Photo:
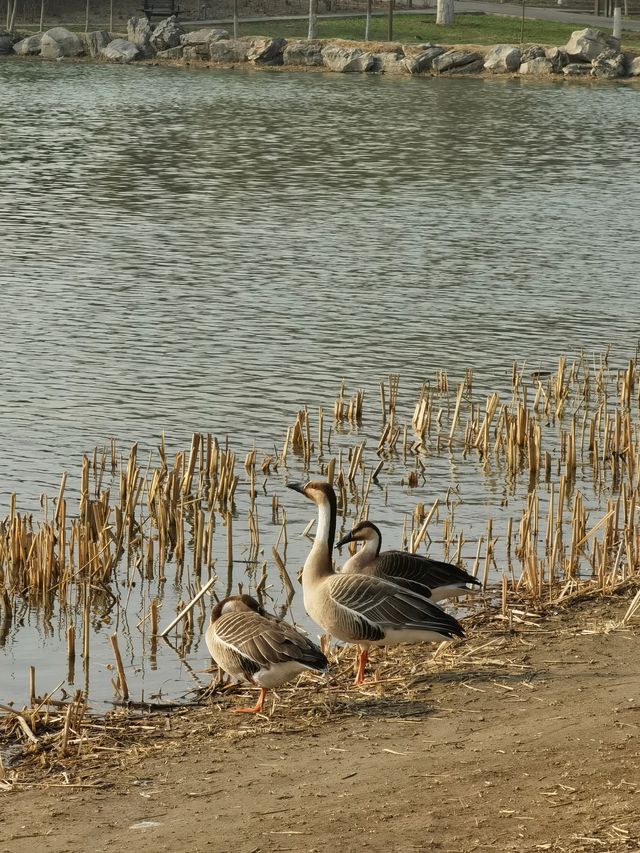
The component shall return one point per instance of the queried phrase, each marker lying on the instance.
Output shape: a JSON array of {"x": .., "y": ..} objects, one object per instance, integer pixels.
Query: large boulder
[
  {"x": 502, "y": 59},
  {"x": 120, "y": 50},
  {"x": 97, "y": 41},
  {"x": 266, "y": 51},
  {"x": 585, "y": 45},
  {"x": 557, "y": 57},
  {"x": 534, "y": 51},
  {"x": 576, "y": 69},
  {"x": 307, "y": 53},
  {"x": 609, "y": 65},
  {"x": 6, "y": 44},
  {"x": 474, "y": 67},
  {"x": 229, "y": 50},
  {"x": 173, "y": 53},
  {"x": 634, "y": 67},
  {"x": 139, "y": 32},
  {"x": 167, "y": 34},
  {"x": 338, "y": 58},
  {"x": 29, "y": 46},
  {"x": 419, "y": 62},
  {"x": 457, "y": 60},
  {"x": 389, "y": 62},
  {"x": 538, "y": 67},
  {"x": 198, "y": 42},
  {"x": 59, "y": 42}
]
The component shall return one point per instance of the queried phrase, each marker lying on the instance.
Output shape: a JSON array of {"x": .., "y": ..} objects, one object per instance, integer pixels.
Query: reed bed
[{"x": 558, "y": 454}]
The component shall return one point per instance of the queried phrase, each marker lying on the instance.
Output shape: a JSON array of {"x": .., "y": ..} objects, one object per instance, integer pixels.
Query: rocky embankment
[{"x": 588, "y": 53}]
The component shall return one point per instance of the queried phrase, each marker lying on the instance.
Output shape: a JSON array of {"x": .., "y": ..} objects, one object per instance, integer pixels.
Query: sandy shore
[{"x": 516, "y": 741}]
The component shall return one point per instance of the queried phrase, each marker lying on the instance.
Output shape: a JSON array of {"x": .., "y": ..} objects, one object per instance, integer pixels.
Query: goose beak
[
  {"x": 345, "y": 539},
  {"x": 297, "y": 487}
]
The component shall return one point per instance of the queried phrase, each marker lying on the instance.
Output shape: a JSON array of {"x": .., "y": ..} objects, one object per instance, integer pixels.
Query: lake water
[{"x": 209, "y": 251}]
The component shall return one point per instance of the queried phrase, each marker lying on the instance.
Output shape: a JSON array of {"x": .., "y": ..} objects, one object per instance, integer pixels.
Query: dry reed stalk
[
  {"x": 286, "y": 580},
  {"x": 67, "y": 727},
  {"x": 196, "y": 440},
  {"x": 456, "y": 413},
  {"x": 122, "y": 680}
]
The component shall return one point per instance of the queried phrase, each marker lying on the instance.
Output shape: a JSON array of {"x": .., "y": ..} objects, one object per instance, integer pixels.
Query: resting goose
[
  {"x": 362, "y": 609},
  {"x": 252, "y": 647},
  {"x": 430, "y": 578}
]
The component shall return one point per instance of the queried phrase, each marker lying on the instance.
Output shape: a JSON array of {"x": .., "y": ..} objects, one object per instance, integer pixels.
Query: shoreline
[
  {"x": 588, "y": 55},
  {"x": 521, "y": 737}
]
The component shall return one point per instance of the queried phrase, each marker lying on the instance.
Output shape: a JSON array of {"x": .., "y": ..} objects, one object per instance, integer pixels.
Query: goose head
[
  {"x": 235, "y": 604},
  {"x": 315, "y": 490},
  {"x": 364, "y": 531},
  {"x": 324, "y": 497}
]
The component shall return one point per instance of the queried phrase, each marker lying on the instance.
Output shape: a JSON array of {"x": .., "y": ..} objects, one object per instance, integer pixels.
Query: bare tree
[
  {"x": 444, "y": 13},
  {"x": 313, "y": 19}
]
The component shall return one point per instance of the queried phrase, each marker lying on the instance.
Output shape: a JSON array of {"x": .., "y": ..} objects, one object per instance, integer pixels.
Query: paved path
[{"x": 465, "y": 6}]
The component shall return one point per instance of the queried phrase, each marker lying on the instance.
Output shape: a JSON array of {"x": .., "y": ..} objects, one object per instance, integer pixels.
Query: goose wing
[
  {"x": 252, "y": 642},
  {"x": 370, "y": 605},
  {"x": 414, "y": 569}
]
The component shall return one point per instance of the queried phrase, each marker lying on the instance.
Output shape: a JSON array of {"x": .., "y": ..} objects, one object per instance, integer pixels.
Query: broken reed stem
[
  {"x": 122, "y": 679},
  {"x": 188, "y": 607}
]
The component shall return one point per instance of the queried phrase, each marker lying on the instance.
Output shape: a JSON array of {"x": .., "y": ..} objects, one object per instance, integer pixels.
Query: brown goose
[
  {"x": 252, "y": 647},
  {"x": 430, "y": 578},
  {"x": 362, "y": 609}
]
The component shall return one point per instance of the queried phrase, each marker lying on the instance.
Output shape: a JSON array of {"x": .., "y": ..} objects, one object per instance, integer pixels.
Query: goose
[
  {"x": 362, "y": 609},
  {"x": 430, "y": 578},
  {"x": 252, "y": 647}
]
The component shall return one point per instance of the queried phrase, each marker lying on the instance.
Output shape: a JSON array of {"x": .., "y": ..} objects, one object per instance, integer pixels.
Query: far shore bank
[{"x": 589, "y": 54}]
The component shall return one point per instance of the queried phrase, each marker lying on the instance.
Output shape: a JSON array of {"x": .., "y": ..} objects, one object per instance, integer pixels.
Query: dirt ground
[{"x": 516, "y": 740}]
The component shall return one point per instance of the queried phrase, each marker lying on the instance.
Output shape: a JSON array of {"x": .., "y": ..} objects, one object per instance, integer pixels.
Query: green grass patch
[{"x": 468, "y": 29}]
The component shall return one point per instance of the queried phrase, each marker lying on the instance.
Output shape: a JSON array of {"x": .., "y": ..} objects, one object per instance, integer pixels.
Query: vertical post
[
  {"x": 110, "y": 16},
  {"x": 86, "y": 18},
  {"x": 367, "y": 26},
  {"x": 235, "y": 19},
  {"x": 313, "y": 19},
  {"x": 522, "y": 22},
  {"x": 390, "y": 22},
  {"x": 41, "y": 15}
]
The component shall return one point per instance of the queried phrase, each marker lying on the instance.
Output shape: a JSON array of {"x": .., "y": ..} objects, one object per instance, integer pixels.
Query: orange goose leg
[
  {"x": 258, "y": 707},
  {"x": 363, "y": 657}
]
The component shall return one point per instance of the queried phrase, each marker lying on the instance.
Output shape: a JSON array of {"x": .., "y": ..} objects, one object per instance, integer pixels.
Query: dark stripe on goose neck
[{"x": 327, "y": 488}]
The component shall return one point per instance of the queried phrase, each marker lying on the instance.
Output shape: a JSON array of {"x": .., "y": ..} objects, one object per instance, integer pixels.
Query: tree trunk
[
  {"x": 86, "y": 18},
  {"x": 617, "y": 23},
  {"x": 235, "y": 19},
  {"x": 390, "y": 22},
  {"x": 367, "y": 26},
  {"x": 313, "y": 19},
  {"x": 13, "y": 15},
  {"x": 444, "y": 13},
  {"x": 41, "y": 16}
]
